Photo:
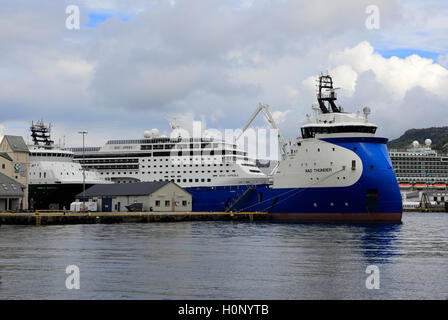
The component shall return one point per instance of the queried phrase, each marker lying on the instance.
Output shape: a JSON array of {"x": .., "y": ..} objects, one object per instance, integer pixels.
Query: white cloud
[
  {"x": 76, "y": 68},
  {"x": 397, "y": 75},
  {"x": 403, "y": 93},
  {"x": 443, "y": 60},
  {"x": 345, "y": 78},
  {"x": 280, "y": 116}
]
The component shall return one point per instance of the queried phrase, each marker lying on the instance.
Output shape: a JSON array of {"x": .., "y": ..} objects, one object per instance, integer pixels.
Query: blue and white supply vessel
[{"x": 337, "y": 171}]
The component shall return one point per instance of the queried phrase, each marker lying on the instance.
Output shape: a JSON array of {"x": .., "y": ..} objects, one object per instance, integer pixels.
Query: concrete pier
[{"x": 59, "y": 218}]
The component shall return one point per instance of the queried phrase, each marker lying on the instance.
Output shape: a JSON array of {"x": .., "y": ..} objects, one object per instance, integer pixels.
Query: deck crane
[{"x": 272, "y": 122}]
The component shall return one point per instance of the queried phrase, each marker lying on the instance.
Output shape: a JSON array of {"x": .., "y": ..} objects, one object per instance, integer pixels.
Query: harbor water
[{"x": 227, "y": 260}]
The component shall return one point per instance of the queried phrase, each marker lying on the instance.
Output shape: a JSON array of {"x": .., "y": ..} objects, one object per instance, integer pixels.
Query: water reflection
[{"x": 380, "y": 243}]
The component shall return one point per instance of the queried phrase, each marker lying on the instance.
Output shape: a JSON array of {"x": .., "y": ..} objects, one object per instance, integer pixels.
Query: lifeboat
[
  {"x": 439, "y": 185},
  {"x": 420, "y": 185},
  {"x": 404, "y": 185}
]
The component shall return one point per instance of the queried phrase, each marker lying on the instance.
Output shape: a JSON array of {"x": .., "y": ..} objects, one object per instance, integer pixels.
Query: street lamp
[{"x": 83, "y": 169}]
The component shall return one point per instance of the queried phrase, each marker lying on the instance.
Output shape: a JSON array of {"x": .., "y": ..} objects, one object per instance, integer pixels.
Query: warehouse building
[
  {"x": 14, "y": 166},
  {"x": 11, "y": 194},
  {"x": 159, "y": 196}
]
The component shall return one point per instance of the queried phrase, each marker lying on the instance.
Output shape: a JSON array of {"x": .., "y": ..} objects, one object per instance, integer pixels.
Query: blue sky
[
  {"x": 98, "y": 17},
  {"x": 406, "y": 52}
]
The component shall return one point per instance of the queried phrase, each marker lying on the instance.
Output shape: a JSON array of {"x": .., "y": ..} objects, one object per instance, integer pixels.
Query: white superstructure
[
  {"x": 190, "y": 162},
  {"x": 49, "y": 164},
  {"x": 313, "y": 162},
  {"x": 56, "y": 166}
]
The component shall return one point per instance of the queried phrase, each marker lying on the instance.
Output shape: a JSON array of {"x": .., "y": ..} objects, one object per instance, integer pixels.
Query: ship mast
[
  {"x": 327, "y": 94},
  {"x": 40, "y": 133}
]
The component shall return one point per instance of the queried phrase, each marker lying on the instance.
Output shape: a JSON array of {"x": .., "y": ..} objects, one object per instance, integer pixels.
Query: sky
[{"x": 137, "y": 65}]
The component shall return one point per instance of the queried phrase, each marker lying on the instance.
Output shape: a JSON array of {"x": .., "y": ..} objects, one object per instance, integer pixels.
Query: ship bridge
[
  {"x": 338, "y": 124},
  {"x": 330, "y": 121}
]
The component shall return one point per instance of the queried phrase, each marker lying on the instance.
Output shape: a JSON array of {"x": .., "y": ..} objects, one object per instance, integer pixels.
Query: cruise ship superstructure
[
  {"x": 189, "y": 162},
  {"x": 420, "y": 167}
]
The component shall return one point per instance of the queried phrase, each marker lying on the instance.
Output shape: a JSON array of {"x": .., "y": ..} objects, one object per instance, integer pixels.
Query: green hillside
[{"x": 438, "y": 135}]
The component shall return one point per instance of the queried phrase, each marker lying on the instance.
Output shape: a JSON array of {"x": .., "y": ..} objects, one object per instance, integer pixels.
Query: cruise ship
[
  {"x": 54, "y": 178},
  {"x": 420, "y": 167},
  {"x": 190, "y": 162},
  {"x": 196, "y": 164}
]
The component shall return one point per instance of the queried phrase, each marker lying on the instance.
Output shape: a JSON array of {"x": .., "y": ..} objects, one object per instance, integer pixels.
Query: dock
[
  {"x": 39, "y": 218},
  {"x": 429, "y": 209}
]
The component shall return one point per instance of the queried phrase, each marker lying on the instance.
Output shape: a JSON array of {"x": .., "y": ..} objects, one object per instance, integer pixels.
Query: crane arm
[
  {"x": 254, "y": 115},
  {"x": 271, "y": 121}
]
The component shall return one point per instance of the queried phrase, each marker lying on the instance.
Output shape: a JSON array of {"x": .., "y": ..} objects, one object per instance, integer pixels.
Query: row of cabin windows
[
  {"x": 173, "y": 180},
  {"x": 161, "y": 140},
  {"x": 45, "y": 174},
  {"x": 149, "y": 145},
  {"x": 191, "y": 180},
  {"x": 89, "y": 162},
  {"x": 310, "y": 132},
  {"x": 180, "y": 146},
  {"x": 167, "y": 154},
  {"x": 161, "y": 172},
  {"x": 44, "y": 154}
]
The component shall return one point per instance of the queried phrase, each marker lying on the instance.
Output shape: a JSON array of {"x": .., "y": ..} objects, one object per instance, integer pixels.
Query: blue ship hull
[{"x": 375, "y": 197}]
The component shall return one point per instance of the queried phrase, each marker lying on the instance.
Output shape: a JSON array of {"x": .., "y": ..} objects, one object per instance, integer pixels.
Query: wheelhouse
[{"x": 311, "y": 131}]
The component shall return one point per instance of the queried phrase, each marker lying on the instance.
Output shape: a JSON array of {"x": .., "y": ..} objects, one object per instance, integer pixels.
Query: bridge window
[{"x": 310, "y": 132}]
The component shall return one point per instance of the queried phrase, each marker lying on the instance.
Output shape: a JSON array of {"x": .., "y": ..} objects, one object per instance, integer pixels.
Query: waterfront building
[
  {"x": 14, "y": 166},
  {"x": 160, "y": 196}
]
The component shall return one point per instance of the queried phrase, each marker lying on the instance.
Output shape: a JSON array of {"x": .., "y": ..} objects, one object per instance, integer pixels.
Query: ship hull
[
  {"x": 53, "y": 196},
  {"x": 340, "y": 217},
  {"x": 375, "y": 197}
]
